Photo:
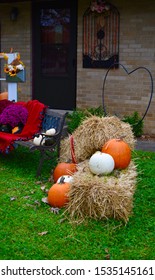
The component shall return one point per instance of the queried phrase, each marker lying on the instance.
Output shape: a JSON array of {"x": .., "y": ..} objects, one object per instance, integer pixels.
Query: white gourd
[
  {"x": 67, "y": 179},
  {"x": 37, "y": 140},
  {"x": 50, "y": 132},
  {"x": 101, "y": 163}
]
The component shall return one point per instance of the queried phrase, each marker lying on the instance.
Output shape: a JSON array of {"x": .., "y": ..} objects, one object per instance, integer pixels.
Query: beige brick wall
[
  {"x": 123, "y": 94},
  {"x": 17, "y": 35}
]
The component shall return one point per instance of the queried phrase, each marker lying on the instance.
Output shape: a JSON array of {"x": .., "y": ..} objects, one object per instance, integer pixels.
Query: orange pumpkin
[
  {"x": 57, "y": 194},
  {"x": 3, "y": 95},
  {"x": 119, "y": 150},
  {"x": 63, "y": 168}
]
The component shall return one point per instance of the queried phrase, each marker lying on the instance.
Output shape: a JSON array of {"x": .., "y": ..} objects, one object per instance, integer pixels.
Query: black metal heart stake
[{"x": 128, "y": 73}]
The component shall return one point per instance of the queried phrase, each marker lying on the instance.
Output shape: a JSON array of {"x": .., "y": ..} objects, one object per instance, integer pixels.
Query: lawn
[{"x": 30, "y": 231}]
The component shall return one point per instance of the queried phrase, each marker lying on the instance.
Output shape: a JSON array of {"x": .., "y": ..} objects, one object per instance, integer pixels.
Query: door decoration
[{"x": 100, "y": 35}]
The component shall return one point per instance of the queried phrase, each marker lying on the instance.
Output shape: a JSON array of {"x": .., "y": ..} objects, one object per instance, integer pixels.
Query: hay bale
[
  {"x": 101, "y": 197},
  {"x": 91, "y": 135}
]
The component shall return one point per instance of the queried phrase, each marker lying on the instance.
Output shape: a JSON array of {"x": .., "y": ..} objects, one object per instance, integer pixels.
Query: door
[{"x": 54, "y": 53}]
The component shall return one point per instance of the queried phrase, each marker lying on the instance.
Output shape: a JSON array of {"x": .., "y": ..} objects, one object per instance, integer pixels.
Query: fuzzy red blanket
[{"x": 36, "y": 112}]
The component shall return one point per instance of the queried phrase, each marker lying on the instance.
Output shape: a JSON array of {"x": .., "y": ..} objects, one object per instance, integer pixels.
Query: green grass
[{"x": 24, "y": 216}]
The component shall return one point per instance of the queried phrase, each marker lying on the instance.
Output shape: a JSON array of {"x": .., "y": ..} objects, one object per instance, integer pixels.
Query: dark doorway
[{"x": 54, "y": 53}]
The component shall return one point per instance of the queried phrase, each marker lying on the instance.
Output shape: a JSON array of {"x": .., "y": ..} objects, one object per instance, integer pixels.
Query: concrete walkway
[{"x": 145, "y": 145}]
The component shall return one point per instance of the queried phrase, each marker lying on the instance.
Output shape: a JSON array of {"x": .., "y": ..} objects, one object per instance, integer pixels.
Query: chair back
[{"x": 53, "y": 119}]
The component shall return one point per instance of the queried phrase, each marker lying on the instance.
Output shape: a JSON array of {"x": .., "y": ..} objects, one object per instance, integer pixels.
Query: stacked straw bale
[
  {"x": 93, "y": 196},
  {"x": 91, "y": 135},
  {"x": 100, "y": 197}
]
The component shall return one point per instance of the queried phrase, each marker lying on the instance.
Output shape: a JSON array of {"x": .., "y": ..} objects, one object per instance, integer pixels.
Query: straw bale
[
  {"x": 100, "y": 197},
  {"x": 91, "y": 135}
]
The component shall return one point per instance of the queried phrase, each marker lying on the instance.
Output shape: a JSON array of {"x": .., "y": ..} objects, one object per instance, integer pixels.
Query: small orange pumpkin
[
  {"x": 119, "y": 150},
  {"x": 57, "y": 194},
  {"x": 3, "y": 95},
  {"x": 63, "y": 168}
]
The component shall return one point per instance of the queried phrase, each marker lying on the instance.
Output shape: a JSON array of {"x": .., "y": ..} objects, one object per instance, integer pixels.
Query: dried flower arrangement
[
  {"x": 99, "y": 6},
  {"x": 14, "y": 67}
]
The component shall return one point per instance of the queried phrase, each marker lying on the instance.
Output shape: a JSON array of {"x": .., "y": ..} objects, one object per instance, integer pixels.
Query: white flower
[
  {"x": 10, "y": 67},
  {"x": 20, "y": 67}
]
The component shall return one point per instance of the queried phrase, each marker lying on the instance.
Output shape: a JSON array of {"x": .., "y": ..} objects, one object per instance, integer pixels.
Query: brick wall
[
  {"x": 123, "y": 94},
  {"x": 17, "y": 35}
]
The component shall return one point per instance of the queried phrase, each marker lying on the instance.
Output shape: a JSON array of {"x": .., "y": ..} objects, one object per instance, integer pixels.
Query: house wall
[
  {"x": 123, "y": 93},
  {"x": 17, "y": 35}
]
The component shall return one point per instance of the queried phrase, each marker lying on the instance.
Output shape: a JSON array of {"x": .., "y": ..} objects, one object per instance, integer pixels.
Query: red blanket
[{"x": 36, "y": 112}]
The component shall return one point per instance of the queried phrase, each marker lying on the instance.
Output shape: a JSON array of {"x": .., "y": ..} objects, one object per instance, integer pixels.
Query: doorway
[{"x": 54, "y": 53}]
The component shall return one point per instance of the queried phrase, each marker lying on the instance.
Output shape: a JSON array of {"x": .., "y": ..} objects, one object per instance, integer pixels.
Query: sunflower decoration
[{"x": 14, "y": 67}]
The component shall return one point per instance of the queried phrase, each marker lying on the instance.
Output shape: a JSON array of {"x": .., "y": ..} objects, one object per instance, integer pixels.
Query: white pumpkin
[
  {"x": 50, "y": 132},
  {"x": 66, "y": 179},
  {"x": 37, "y": 140},
  {"x": 101, "y": 163}
]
